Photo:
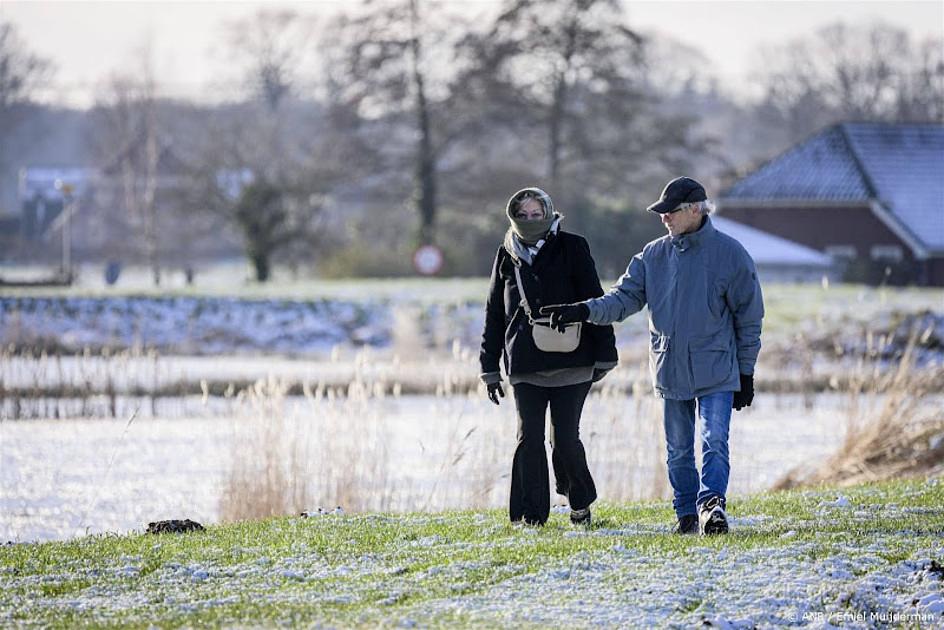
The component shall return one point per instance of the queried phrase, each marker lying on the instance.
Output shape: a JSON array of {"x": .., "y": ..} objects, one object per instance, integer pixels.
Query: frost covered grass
[
  {"x": 233, "y": 281},
  {"x": 792, "y": 557},
  {"x": 166, "y": 345},
  {"x": 788, "y": 302},
  {"x": 789, "y": 307}
]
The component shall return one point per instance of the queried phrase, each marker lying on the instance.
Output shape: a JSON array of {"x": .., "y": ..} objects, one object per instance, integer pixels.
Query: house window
[
  {"x": 892, "y": 253},
  {"x": 841, "y": 252}
]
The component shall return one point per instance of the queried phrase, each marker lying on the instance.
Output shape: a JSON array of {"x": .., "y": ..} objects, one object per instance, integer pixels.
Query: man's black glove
[
  {"x": 495, "y": 391},
  {"x": 562, "y": 314},
  {"x": 744, "y": 397}
]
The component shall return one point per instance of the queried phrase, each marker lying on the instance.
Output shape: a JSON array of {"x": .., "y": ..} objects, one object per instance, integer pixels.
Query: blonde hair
[{"x": 524, "y": 196}]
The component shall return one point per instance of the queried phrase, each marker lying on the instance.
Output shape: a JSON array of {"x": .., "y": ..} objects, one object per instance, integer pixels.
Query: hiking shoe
[
  {"x": 711, "y": 517},
  {"x": 580, "y": 517},
  {"x": 687, "y": 524}
]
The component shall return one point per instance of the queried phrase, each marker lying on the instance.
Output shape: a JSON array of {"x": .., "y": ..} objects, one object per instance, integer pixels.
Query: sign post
[
  {"x": 428, "y": 260},
  {"x": 67, "y": 207}
]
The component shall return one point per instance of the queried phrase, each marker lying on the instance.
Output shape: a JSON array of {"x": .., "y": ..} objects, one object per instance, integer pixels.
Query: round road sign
[{"x": 428, "y": 260}]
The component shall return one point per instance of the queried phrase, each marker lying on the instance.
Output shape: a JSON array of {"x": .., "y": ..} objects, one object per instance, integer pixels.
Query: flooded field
[
  {"x": 108, "y": 436},
  {"x": 63, "y": 478}
]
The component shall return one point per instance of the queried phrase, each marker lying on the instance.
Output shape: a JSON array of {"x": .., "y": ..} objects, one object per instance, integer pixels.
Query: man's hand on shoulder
[
  {"x": 745, "y": 397},
  {"x": 563, "y": 314}
]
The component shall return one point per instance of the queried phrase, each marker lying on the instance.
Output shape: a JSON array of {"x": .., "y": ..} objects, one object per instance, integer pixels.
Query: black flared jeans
[{"x": 530, "y": 487}]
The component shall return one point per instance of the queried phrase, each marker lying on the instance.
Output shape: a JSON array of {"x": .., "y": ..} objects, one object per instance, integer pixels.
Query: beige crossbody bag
[{"x": 548, "y": 339}]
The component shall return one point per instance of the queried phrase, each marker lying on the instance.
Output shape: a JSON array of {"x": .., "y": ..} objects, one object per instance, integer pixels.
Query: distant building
[
  {"x": 103, "y": 223},
  {"x": 870, "y": 195},
  {"x": 41, "y": 199},
  {"x": 776, "y": 258},
  {"x": 9, "y": 236},
  {"x": 109, "y": 216}
]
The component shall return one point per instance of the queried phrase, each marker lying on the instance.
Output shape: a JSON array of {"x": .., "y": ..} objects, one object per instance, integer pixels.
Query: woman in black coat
[{"x": 554, "y": 267}]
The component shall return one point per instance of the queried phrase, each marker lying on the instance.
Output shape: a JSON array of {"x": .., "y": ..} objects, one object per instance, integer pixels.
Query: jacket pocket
[
  {"x": 658, "y": 358},
  {"x": 710, "y": 360}
]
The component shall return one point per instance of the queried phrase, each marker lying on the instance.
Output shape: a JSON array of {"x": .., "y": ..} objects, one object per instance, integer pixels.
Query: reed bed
[
  {"x": 106, "y": 384},
  {"x": 320, "y": 435},
  {"x": 893, "y": 420},
  {"x": 332, "y": 447}
]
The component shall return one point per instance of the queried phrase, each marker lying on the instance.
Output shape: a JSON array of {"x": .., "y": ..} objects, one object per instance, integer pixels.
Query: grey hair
[{"x": 705, "y": 207}]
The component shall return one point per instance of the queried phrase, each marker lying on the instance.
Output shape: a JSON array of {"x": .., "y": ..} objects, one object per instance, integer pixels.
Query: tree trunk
[
  {"x": 150, "y": 189},
  {"x": 426, "y": 162},
  {"x": 554, "y": 129},
  {"x": 426, "y": 182},
  {"x": 148, "y": 105},
  {"x": 260, "y": 263},
  {"x": 559, "y": 102}
]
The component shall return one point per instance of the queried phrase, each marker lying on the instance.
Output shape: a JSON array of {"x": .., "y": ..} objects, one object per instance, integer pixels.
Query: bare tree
[
  {"x": 21, "y": 74},
  {"x": 921, "y": 92},
  {"x": 272, "y": 45},
  {"x": 390, "y": 68},
  {"x": 854, "y": 72},
  {"x": 277, "y": 204},
  {"x": 271, "y": 215},
  {"x": 571, "y": 85},
  {"x": 131, "y": 145},
  {"x": 265, "y": 165},
  {"x": 558, "y": 57}
]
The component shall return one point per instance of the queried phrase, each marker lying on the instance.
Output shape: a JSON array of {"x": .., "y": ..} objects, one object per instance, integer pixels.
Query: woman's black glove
[
  {"x": 744, "y": 397},
  {"x": 495, "y": 391},
  {"x": 563, "y": 314}
]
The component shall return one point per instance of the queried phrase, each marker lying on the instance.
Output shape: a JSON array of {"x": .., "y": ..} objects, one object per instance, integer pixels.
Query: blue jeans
[{"x": 689, "y": 489}]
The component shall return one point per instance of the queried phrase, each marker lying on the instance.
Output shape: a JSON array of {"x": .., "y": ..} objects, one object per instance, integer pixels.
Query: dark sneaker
[
  {"x": 711, "y": 517},
  {"x": 580, "y": 517},
  {"x": 687, "y": 524}
]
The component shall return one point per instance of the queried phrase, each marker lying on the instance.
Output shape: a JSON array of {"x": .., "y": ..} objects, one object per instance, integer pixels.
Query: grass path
[{"x": 873, "y": 557}]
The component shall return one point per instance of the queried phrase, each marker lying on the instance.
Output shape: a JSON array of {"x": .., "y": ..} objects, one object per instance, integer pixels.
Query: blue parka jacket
[{"x": 705, "y": 311}]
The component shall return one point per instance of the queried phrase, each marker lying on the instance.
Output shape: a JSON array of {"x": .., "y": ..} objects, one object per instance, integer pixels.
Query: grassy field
[
  {"x": 791, "y": 303},
  {"x": 231, "y": 280},
  {"x": 873, "y": 552},
  {"x": 808, "y": 310}
]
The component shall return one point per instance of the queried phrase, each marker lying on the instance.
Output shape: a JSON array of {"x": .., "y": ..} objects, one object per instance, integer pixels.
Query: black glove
[
  {"x": 495, "y": 392},
  {"x": 744, "y": 397},
  {"x": 562, "y": 314}
]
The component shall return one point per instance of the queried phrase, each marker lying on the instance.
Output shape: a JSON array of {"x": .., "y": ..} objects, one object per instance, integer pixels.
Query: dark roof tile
[{"x": 899, "y": 165}]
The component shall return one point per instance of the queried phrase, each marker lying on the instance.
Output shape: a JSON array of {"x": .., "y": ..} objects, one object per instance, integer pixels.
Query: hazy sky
[{"x": 89, "y": 40}]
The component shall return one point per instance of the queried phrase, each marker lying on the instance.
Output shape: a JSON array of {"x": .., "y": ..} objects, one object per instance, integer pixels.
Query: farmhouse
[
  {"x": 776, "y": 258},
  {"x": 41, "y": 198},
  {"x": 871, "y": 195}
]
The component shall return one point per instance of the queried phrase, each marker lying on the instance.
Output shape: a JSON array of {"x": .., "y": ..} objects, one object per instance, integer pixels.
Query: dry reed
[{"x": 893, "y": 428}]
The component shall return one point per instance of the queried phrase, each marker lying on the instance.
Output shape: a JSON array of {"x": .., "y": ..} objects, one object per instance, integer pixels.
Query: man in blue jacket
[{"x": 705, "y": 312}]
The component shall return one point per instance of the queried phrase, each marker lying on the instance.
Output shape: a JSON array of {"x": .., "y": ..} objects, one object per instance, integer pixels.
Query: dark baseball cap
[{"x": 678, "y": 191}]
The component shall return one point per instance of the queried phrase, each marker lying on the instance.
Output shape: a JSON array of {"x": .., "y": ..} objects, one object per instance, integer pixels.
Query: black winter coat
[{"x": 563, "y": 272}]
